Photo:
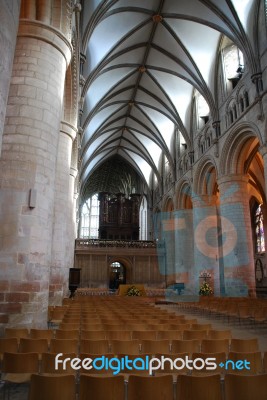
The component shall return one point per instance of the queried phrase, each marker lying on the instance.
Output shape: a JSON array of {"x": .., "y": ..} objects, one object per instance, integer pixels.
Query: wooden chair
[
  {"x": 29, "y": 345},
  {"x": 101, "y": 387},
  {"x": 245, "y": 387},
  {"x": 199, "y": 387},
  {"x": 119, "y": 335},
  {"x": 244, "y": 345},
  {"x": 48, "y": 364},
  {"x": 155, "y": 346},
  {"x": 94, "y": 346},
  {"x": 91, "y": 327},
  {"x": 179, "y": 327},
  {"x": 64, "y": 346},
  {"x": 194, "y": 334},
  {"x": 150, "y": 387},
  {"x": 69, "y": 326},
  {"x": 255, "y": 363},
  {"x": 201, "y": 327},
  {"x": 8, "y": 345},
  {"x": 138, "y": 327},
  {"x": 144, "y": 335},
  {"x": 17, "y": 333},
  {"x": 215, "y": 346},
  {"x": 125, "y": 347},
  {"x": 42, "y": 334},
  {"x": 56, "y": 315},
  {"x": 115, "y": 327},
  {"x": 171, "y": 335},
  {"x": 67, "y": 334},
  {"x": 219, "y": 334},
  {"x": 53, "y": 387},
  {"x": 185, "y": 346},
  {"x": 93, "y": 335},
  {"x": 71, "y": 318},
  {"x": 18, "y": 367}
]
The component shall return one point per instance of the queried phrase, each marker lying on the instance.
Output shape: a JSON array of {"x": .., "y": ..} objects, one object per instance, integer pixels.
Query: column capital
[
  {"x": 232, "y": 178},
  {"x": 40, "y": 31},
  {"x": 68, "y": 129}
]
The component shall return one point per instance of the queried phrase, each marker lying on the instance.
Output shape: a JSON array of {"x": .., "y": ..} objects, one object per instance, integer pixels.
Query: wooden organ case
[{"x": 119, "y": 216}]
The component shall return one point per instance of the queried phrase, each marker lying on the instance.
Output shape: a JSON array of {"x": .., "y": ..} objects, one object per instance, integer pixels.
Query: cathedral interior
[{"x": 133, "y": 148}]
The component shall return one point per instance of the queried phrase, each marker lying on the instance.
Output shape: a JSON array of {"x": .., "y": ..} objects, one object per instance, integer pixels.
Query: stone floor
[{"x": 239, "y": 330}]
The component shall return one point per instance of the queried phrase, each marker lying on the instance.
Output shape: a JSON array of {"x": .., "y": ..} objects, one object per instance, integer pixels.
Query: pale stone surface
[
  {"x": 62, "y": 238},
  {"x": 9, "y": 19},
  {"x": 29, "y": 163}
]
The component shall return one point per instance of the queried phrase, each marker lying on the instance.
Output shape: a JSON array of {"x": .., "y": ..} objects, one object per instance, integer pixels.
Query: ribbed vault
[{"x": 144, "y": 60}]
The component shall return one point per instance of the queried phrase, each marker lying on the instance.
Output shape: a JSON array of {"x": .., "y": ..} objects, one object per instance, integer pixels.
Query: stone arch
[
  {"x": 168, "y": 205},
  {"x": 236, "y": 148},
  {"x": 206, "y": 174},
  {"x": 184, "y": 195},
  {"x": 126, "y": 262}
]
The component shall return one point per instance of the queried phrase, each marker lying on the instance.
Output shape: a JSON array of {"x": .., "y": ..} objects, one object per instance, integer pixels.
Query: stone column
[
  {"x": 168, "y": 236},
  {"x": 27, "y": 171},
  {"x": 236, "y": 247},
  {"x": 62, "y": 238},
  {"x": 263, "y": 152},
  {"x": 9, "y": 21},
  {"x": 72, "y": 225},
  {"x": 206, "y": 246},
  {"x": 184, "y": 246}
]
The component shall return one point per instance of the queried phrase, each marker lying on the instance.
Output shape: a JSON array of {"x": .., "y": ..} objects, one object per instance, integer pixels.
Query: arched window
[
  {"x": 143, "y": 219},
  {"x": 90, "y": 218},
  {"x": 202, "y": 110},
  {"x": 233, "y": 61},
  {"x": 259, "y": 231}
]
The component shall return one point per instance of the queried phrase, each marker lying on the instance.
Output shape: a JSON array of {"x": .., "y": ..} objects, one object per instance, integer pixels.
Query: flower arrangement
[
  {"x": 205, "y": 289},
  {"x": 133, "y": 291}
]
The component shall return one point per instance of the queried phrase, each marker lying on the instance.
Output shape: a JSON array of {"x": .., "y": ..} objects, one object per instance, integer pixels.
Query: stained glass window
[{"x": 259, "y": 230}]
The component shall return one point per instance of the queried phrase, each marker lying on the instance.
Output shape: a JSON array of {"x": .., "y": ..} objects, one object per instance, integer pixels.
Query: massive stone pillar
[
  {"x": 63, "y": 239},
  {"x": 28, "y": 166},
  {"x": 9, "y": 21},
  {"x": 184, "y": 245},
  {"x": 206, "y": 244},
  {"x": 236, "y": 260}
]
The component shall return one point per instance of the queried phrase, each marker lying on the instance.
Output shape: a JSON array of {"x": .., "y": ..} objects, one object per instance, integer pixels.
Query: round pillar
[
  {"x": 62, "y": 238},
  {"x": 236, "y": 258},
  {"x": 27, "y": 171}
]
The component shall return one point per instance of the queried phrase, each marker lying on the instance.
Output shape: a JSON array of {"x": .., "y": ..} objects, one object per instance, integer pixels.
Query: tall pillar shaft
[
  {"x": 206, "y": 247},
  {"x": 236, "y": 247},
  {"x": 27, "y": 172},
  {"x": 61, "y": 238},
  {"x": 184, "y": 248},
  {"x": 9, "y": 21}
]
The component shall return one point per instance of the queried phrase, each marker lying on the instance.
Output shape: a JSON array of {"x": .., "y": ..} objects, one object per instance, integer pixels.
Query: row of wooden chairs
[
  {"x": 149, "y": 388},
  {"x": 133, "y": 346},
  {"x": 123, "y": 334},
  {"x": 243, "y": 310},
  {"x": 17, "y": 367}
]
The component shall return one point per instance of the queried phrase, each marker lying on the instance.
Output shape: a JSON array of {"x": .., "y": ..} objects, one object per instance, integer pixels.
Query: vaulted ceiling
[{"x": 144, "y": 59}]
